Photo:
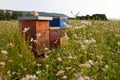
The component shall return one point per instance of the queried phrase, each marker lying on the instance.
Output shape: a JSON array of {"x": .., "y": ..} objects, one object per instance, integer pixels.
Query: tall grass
[{"x": 92, "y": 53}]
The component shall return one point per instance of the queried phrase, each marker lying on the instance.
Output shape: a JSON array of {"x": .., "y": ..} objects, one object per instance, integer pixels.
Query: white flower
[
  {"x": 35, "y": 41},
  {"x": 47, "y": 65},
  {"x": 70, "y": 57},
  {"x": 38, "y": 72},
  {"x": 118, "y": 43},
  {"x": 38, "y": 34},
  {"x": 84, "y": 78},
  {"x": 26, "y": 29},
  {"x": 4, "y": 52},
  {"x": 59, "y": 59},
  {"x": 31, "y": 40},
  {"x": 91, "y": 62},
  {"x": 13, "y": 73},
  {"x": 46, "y": 56},
  {"x": 86, "y": 22},
  {"x": 65, "y": 77},
  {"x": 99, "y": 57},
  {"x": 2, "y": 63},
  {"x": 38, "y": 65},
  {"x": 86, "y": 41},
  {"x": 93, "y": 40},
  {"x": 106, "y": 66},
  {"x": 30, "y": 77},
  {"x": 46, "y": 48},
  {"x": 68, "y": 68},
  {"x": 87, "y": 65},
  {"x": 10, "y": 45},
  {"x": 60, "y": 72},
  {"x": 83, "y": 47},
  {"x": 8, "y": 72}
]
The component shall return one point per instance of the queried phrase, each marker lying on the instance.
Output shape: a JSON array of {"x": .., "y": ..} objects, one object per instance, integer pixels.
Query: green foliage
[
  {"x": 16, "y": 14},
  {"x": 93, "y": 17},
  {"x": 9, "y": 15}
]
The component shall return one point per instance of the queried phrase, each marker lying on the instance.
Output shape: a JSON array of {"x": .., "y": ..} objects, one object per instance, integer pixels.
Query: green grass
[{"x": 92, "y": 52}]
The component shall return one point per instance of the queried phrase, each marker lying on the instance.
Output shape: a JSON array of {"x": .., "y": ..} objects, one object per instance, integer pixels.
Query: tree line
[
  {"x": 13, "y": 15},
  {"x": 9, "y": 15},
  {"x": 93, "y": 17}
]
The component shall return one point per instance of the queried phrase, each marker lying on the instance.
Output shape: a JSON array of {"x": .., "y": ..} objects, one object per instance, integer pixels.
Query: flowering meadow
[{"x": 91, "y": 52}]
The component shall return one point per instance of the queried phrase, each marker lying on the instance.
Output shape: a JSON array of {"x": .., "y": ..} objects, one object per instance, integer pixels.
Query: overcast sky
[{"x": 109, "y": 7}]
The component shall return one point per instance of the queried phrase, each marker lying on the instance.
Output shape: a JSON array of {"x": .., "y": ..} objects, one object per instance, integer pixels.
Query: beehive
[
  {"x": 39, "y": 31},
  {"x": 55, "y": 34},
  {"x": 59, "y": 22}
]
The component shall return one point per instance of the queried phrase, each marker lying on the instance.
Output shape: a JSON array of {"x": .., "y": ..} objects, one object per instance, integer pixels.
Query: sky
[{"x": 84, "y": 7}]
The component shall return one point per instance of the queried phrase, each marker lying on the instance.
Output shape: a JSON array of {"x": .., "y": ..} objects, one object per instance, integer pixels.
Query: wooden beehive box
[
  {"x": 38, "y": 25},
  {"x": 55, "y": 35}
]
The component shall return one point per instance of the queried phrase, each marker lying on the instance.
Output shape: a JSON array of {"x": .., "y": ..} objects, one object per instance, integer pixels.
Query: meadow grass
[{"x": 92, "y": 52}]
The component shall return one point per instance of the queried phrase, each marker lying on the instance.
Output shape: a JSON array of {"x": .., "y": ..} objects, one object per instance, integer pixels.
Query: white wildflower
[
  {"x": 47, "y": 66},
  {"x": 87, "y": 65},
  {"x": 106, "y": 66},
  {"x": 30, "y": 77},
  {"x": 46, "y": 48},
  {"x": 13, "y": 72},
  {"x": 56, "y": 41},
  {"x": 38, "y": 72},
  {"x": 118, "y": 43},
  {"x": 78, "y": 27},
  {"x": 61, "y": 72},
  {"x": 93, "y": 40},
  {"x": 59, "y": 59},
  {"x": 8, "y": 72},
  {"x": 99, "y": 57},
  {"x": 86, "y": 22},
  {"x": 35, "y": 41},
  {"x": 38, "y": 34},
  {"x": 83, "y": 78},
  {"x": 83, "y": 47},
  {"x": 10, "y": 45},
  {"x": 31, "y": 40},
  {"x": 68, "y": 68},
  {"x": 4, "y": 52},
  {"x": 86, "y": 41},
  {"x": 91, "y": 62},
  {"x": 86, "y": 78},
  {"x": 46, "y": 56},
  {"x": 65, "y": 77},
  {"x": 2, "y": 63},
  {"x": 77, "y": 75},
  {"x": 70, "y": 57},
  {"x": 26, "y": 29},
  {"x": 38, "y": 65}
]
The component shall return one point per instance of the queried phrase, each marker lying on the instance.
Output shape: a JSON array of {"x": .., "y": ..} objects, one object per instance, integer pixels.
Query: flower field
[{"x": 91, "y": 52}]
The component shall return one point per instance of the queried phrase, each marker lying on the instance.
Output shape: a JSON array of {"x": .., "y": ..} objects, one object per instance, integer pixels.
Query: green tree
[
  {"x": 16, "y": 14},
  {"x": 2, "y": 15},
  {"x": 7, "y": 15}
]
